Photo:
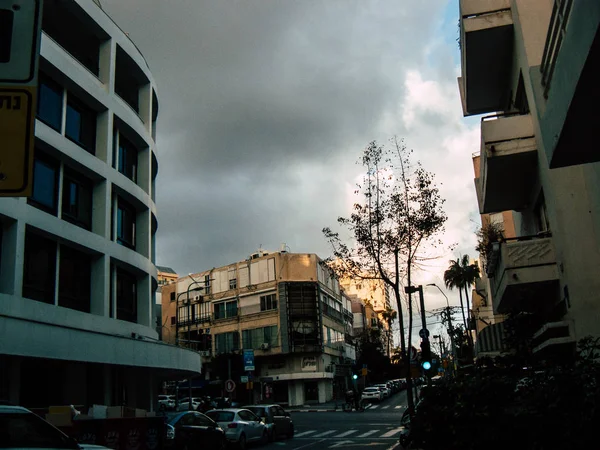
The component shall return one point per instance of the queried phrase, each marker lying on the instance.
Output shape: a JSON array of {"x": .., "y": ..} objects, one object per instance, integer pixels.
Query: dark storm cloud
[{"x": 263, "y": 104}]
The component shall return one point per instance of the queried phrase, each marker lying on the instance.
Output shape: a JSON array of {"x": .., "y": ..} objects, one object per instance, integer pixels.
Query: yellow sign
[
  {"x": 17, "y": 121},
  {"x": 364, "y": 371}
]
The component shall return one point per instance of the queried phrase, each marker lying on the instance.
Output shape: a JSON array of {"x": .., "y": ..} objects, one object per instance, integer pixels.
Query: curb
[{"x": 340, "y": 409}]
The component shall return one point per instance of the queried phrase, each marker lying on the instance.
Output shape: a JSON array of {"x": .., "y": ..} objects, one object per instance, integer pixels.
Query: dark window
[
  {"x": 172, "y": 296},
  {"x": 173, "y": 320},
  {"x": 80, "y": 124},
  {"x": 256, "y": 337},
  {"x": 126, "y": 296},
  {"x": 202, "y": 421},
  {"x": 127, "y": 159},
  {"x": 50, "y": 103},
  {"x": 268, "y": 302},
  {"x": 77, "y": 200},
  {"x": 45, "y": 185},
  {"x": 27, "y": 430},
  {"x": 125, "y": 224},
  {"x": 232, "y": 283},
  {"x": 227, "y": 342},
  {"x": 207, "y": 284},
  {"x": 39, "y": 270},
  {"x": 74, "y": 279},
  {"x": 224, "y": 310}
]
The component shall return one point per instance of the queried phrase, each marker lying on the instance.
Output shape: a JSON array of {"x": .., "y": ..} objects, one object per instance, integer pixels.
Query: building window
[
  {"x": 80, "y": 125},
  {"x": 255, "y": 338},
  {"x": 227, "y": 342},
  {"x": 374, "y": 322},
  {"x": 74, "y": 279},
  {"x": 127, "y": 159},
  {"x": 207, "y": 284},
  {"x": 268, "y": 302},
  {"x": 225, "y": 310},
  {"x": 50, "y": 102},
  {"x": 497, "y": 220},
  {"x": 39, "y": 270},
  {"x": 233, "y": 284},
  {"x": 77, "y": 200},
  {"x": 45, "y": 185},
  {"x": 172, "y": 296},
  {"x": 126, "y": 296},
  {"x": 125, "y": 224}
]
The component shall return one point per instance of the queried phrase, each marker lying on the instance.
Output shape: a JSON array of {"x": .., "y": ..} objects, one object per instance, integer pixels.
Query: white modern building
[{"x": 77, "y": 273}]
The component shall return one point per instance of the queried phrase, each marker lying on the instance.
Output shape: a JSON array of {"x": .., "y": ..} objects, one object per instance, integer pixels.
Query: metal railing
[{"x": 556, "y": 32}]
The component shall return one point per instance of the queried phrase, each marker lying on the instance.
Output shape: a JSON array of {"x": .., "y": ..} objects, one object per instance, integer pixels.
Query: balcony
[
  {"x": 568, "y": 84},
  {"x": 555, "y": 339},
  {"x": 508, "y": 162},
  {"x": 523, "y": 275},
  {"x": 486, "y": 43}
]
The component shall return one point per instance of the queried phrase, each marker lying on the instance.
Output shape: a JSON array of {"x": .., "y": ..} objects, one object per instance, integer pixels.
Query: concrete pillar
[
  {"x": 8, "y": 257},
  {"x": 14, "y": 380},
  {"x": 143, "y": 239},
  {"x": 144, "y": 169},
  {"x": 104, "y": 137},
  {"x": 106, "y": 73},
  {"x": 145, "y": 105}
]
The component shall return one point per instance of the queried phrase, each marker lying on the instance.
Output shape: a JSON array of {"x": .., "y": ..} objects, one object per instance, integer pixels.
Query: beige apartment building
[
  {"x": 532, "y": 67},
  {"x": 287, "y": 308}
]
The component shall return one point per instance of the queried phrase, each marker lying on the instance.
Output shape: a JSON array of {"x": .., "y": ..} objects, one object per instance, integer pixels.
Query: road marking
[
  {"x": 374, "y": 407},
  {"x": 399, "y": 406},
  {"x": 309, "y": 444},
  {"x": 385, "y": 407},
  {"x": 392, "y": 432},
  {"x": 324, "y": 434},
  {"x": 341, "y": 444},
  {"x": 304, "y": 433},
  {"x": 368, "y": 433},
  {"x": 346, "y": 433}
]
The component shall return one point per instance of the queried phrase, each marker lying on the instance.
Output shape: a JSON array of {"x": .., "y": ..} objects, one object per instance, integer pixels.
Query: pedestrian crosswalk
[
  {"x": 386, "y": 407},
  {"x": 335, "y": 434}
]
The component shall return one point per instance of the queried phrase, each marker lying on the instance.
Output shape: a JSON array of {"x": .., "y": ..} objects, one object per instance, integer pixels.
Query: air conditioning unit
[{"x": 265, "y": 346}]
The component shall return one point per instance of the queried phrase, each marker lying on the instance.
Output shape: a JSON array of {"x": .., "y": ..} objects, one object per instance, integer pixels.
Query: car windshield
[
  {"x": 221, "y": 416},
  {"x": 371, "y": 389},
  {"x": 26, "y": 430}
]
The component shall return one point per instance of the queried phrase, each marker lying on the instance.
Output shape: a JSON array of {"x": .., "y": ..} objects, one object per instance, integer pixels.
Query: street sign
[
  {"x": 230, "y": 386},
  {"x": 16, "y": 140},
  {"x": 243, "y": 379},
  {"x": 19, "y": 40},
  {"x": 20, "y": 31},
  {"x": 249, "y": 360},
  {"x": 424, "y": 333}
]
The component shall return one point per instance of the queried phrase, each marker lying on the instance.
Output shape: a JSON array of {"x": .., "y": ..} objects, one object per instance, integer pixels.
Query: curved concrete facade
[{"x": 92, "y": 214}]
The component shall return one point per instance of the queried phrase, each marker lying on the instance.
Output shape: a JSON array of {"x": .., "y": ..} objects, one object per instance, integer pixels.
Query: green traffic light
[
  {"x": 426, "y": 365},
  {"x": 354, "y": 377}
]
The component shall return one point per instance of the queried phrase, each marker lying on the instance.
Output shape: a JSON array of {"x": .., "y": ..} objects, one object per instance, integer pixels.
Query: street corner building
[
  {"x": 77, "y": 273},
  {"x": 532, "y": 68},
  {"x": 287, "y": 309}
]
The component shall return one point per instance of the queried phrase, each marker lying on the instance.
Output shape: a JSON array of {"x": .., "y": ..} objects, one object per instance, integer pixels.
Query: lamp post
[
  {"x": 189, "y": 323},
  {"x": 449, "y": 321}
]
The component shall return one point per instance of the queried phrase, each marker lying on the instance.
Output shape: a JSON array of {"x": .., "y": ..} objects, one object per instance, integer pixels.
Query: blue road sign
[{"x": 249, "y": 360}]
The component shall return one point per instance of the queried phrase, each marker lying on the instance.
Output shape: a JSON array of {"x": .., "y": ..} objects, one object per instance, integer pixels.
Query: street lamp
[{"x": 449, "y": 317}]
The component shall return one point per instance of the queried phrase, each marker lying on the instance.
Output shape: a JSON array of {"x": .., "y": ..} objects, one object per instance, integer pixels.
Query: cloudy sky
[{"x": 266, "y": 105}]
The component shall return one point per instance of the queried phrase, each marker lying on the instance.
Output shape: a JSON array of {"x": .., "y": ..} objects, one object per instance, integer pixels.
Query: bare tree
[{"x": 400, "y": 210}]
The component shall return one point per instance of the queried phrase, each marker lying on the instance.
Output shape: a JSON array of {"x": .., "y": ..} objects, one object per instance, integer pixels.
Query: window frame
[
  {"x": 268, "y": 302},
  {"x": 125, "y": 207},
  {"x": 125, "y": 150},
  {"x": 130, "y": 314},
  {"x": 82, "y": 261},
  {"x": 46, "y": 82},
  {"x": 88, "y": 118},
  {"x": 41, "y": 158},
  {"x": 36, "y": 243},
  {"x": 72, "y": 178}
]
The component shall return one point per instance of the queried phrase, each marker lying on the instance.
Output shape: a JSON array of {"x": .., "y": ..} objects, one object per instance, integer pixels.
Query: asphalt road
[{"x": 377, "y": 428}]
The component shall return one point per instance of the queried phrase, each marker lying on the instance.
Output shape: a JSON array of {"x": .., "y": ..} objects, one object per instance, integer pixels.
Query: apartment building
[
  {"x": 286, "y": 307},
  {"x": 77, "y": 274},
  {"x": 374, "y": 294},
  {"x": 532, "y": 68}
]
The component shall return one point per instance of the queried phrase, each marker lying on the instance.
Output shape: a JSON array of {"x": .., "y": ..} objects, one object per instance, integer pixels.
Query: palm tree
[
  {"x": 389, "y": 315},
  {"x": 461, "y": 275}
]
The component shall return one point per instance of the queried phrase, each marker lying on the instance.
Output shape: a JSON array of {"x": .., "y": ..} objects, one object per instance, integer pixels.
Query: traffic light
[
  {"x": 354, "y": 376},
  {"x": 425, "y": 354}
]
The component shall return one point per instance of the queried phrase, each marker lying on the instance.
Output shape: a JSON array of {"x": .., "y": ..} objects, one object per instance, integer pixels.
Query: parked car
[
  {"x": 240, "y": 425},
  {"x": 384, "y": 389},
  {"x": 20, "y": 428},
  {"x": 191, "y": 429},
  {"x": 166, "y": 402},
  {"x": 372, "y": 394},
  {"x": 277, "y": 420},
  {"x": 184, "y": 404}
]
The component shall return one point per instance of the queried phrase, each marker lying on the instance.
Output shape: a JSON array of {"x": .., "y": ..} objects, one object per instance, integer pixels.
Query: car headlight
[{"x": 170, "y": 432}]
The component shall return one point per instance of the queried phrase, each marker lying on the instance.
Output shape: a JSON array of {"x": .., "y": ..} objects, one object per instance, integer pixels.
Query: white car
[
  {"x": 386, "y": 391},
  {"x": 371, "y": 394},
  {"x": 22, "y": 429},
  {"x": 166, "y": 402},
  {"x": 241, "y": 426},
  {"x": 184, "y": 404}
]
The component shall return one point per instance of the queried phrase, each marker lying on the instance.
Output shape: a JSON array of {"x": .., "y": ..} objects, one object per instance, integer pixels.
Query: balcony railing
[{"x": 554, "y": 39}]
